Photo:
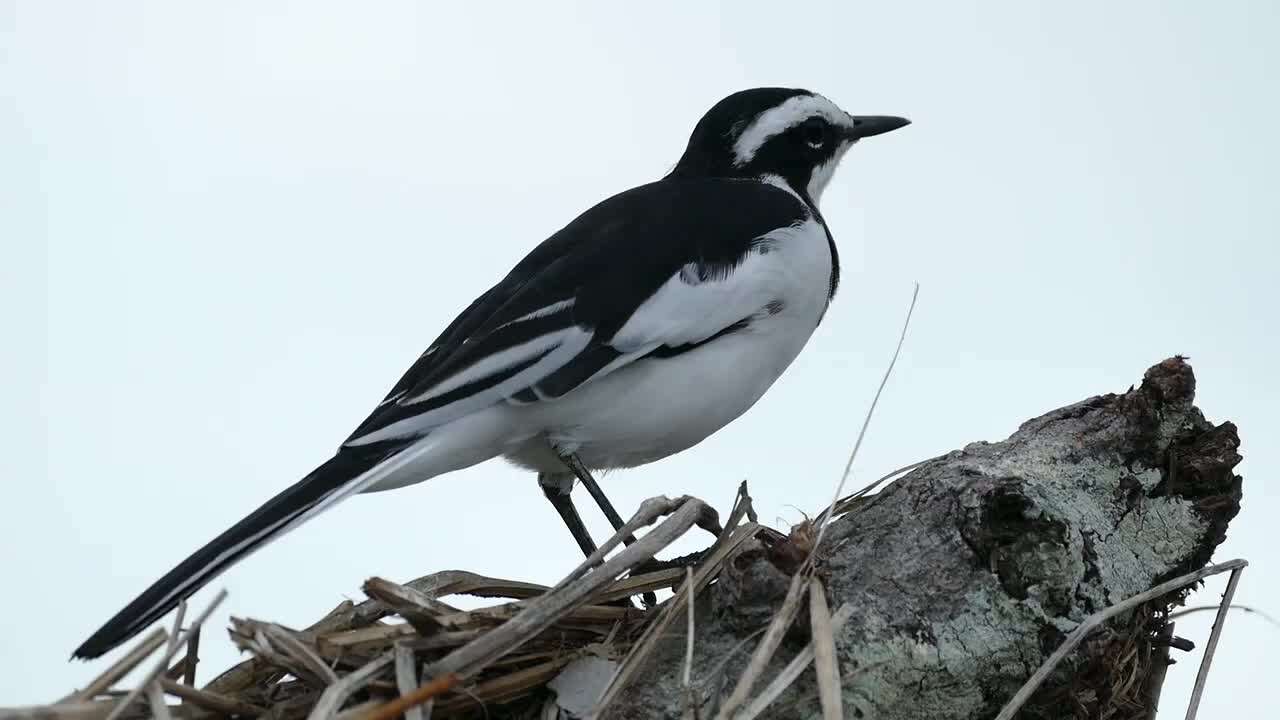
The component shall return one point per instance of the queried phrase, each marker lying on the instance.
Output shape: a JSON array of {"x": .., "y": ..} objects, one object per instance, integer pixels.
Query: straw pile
[{"x": 404, "y": 647}]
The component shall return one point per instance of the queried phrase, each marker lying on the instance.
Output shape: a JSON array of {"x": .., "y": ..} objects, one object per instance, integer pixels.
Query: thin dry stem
[
  {"x": 844, "y": 504},
  {"x": 636, "y": 584},
  {"x": 120, "y": 668},
  {"x": 1250, "y": 610},
  {"x": 332, "y": 698},
  {"x": 407, "y": 679},
  {"x": 767, "y": 647},
  {"x": 686, "y": 680},
  {"x": 163, "y": 665},
  {"x": 155, "y": 698},
  {"x": 792, "y": 671},
  {"x": 541, "y": 612},
  {"x": 210, "y": 701},
  {"x": 866, "y": 422},
  {"x": 411, "y": 701},
  {"x": 193, "y": 656},
  {"x": 177, "y": 625},
  {"x": 1095, "y": 620},
  {"x": 289, "y": 644},
  {"x": 1202, "y": 675},
  {"x": 413, "y": 605},
  {"x": 824, "y": 647},
  {"x": 649, "y": 640}
]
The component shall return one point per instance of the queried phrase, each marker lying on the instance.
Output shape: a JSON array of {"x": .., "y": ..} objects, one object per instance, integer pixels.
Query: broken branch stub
[{"x": 966, "y": 573}]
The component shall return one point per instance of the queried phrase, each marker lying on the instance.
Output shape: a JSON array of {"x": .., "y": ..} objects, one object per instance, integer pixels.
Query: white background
[{"x": 227, "y": 228}]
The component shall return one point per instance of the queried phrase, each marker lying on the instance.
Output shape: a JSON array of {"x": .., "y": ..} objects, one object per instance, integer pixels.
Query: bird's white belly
[{"x": 657, "y": 407}]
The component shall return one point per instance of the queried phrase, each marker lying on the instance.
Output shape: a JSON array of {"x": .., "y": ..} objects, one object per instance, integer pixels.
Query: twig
[
  {"x": 824, "y": 652},
  {"x": 866, "y": 422},
  {"x": 155, "y": 698},
  {"x": 298, "y": 651},
  {"x": 1092, "y": 622},
  {"x": 122, "y": 667},
  {"x": 686, "y": 681},
  {"x": 461, "y": 582},
  {"x": 843, "y": 504},
  {"x": 1242, "y": 608},
  {"x": 792, "y": 671},
  {"x": 657, "y": 629},
  {"x": 92, "y": 710},
  {"x": 413, "y": 605},
  {"x": 279, "y": 646},
  {"x": 176, "y": 670},
  {"x": 210, "y": 701},
  {"x": 333, "y": 696},
  {"x": 193, "y": 656},
  {"x": 636, "y": 584},
  {"x": 650, "y": 510},
  {"x": 163, "y": 665},
  {"x": 358, "y": 711},
  {"x": 505, "y": 687},
  {"x": 741, "y": 508},
  {"x": 177, "y": 625},
  {"x": 1159, "y": 669},
  {"x": 1203, "y": 675},
  {"x": 542, "y": 612},
  {"x": 407, "y": 679},
  {"x": 409, "y": 702},
  {"x": 240, "y": 677},
  {"x": 767, "y": 646}
]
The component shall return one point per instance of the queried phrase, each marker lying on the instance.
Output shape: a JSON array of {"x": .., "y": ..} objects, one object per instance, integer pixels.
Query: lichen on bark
[{"x": 966, "y": 573}]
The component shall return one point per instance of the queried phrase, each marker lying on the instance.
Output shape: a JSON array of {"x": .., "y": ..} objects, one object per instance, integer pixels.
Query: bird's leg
[
  {"x": 584, "y": 475},
  {"x": 573, "y": 463},
  {"x": 556, "y": 487}
]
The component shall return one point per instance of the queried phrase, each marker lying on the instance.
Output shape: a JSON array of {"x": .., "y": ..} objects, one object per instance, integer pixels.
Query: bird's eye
[{"x": 814, "y": 133}]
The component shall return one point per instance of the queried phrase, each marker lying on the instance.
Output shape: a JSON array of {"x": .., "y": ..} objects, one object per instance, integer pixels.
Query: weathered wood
[{"x": 966, "y": 573}]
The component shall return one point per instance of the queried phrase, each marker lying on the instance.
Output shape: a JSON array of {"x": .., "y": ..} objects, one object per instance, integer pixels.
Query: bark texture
[{"x": 966, "y": 573}]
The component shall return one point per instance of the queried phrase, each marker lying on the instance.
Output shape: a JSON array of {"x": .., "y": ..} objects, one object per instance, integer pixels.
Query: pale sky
[{"x": 230, "y": 226}]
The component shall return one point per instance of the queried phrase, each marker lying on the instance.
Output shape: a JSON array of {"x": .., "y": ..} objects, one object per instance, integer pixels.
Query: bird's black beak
[{"x": 868, "y": 125}]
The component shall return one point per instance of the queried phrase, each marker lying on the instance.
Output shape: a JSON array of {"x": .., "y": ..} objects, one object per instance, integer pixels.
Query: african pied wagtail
[{"x": 645, "y": 325}]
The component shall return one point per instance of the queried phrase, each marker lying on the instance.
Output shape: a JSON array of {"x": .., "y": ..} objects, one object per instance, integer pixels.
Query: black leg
[
  {"x": 589, "y": 482},
  {"x": 557, "y": 491},
  {"x": 584, "y": 475}
]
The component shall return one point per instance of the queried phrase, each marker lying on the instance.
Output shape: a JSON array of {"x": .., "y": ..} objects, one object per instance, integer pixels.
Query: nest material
[
  {"x": 380, "y": 648},
  {"x": 357, "y": 660}
]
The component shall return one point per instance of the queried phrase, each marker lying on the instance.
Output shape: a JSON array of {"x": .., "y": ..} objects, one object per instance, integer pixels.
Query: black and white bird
[{"x": 645, "y": 325}]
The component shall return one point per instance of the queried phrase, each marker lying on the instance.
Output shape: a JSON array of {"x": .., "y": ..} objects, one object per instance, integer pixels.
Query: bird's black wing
[{"x": 613, "y": 285}]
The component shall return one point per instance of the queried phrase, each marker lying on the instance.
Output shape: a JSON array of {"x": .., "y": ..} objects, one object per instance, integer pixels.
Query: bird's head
[{"x": 793, "y": 135}]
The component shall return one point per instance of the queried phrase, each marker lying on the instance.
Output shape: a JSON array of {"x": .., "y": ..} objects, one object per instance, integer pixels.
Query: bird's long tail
[{"x": 350, "y": 471}]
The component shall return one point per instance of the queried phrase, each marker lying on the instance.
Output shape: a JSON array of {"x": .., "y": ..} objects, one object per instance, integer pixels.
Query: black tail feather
[{"x": 263, "y": 525}]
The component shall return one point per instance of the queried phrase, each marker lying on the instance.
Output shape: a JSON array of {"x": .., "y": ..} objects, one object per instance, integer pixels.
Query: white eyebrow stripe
[{"x": 775, "y": 120}]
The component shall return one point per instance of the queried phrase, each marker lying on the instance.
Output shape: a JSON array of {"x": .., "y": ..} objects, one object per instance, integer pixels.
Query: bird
[{"x": 640, "y": 328}]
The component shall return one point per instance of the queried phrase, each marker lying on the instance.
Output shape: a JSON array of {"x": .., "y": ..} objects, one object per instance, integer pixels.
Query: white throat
[{"x": 822, "y": 174}]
